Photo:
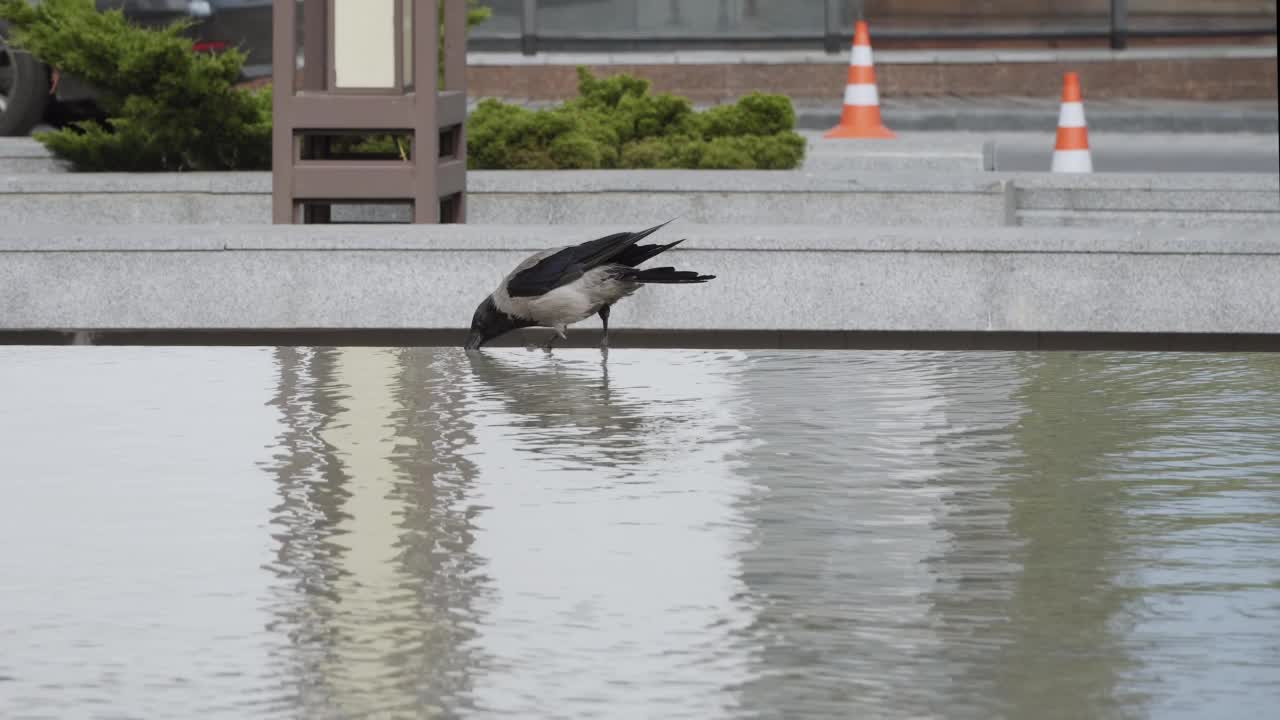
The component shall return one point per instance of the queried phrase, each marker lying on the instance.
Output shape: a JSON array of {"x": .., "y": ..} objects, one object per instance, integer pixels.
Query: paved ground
[
  {"x": 1148, "y": 153},
  {"x": 953, "y": 113},
  {"x": 933, "y": 152},
  {"x": 1033, "y": 152},
  {"x": 942, "y": 152},
  {"x": 1030, "y": 114}
]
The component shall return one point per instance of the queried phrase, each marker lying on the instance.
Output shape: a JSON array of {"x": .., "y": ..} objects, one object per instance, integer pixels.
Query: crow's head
[{"x": 489, "y": 322}]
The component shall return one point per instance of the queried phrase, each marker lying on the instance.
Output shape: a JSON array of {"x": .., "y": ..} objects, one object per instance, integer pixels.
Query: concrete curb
[
  {"x": 770, "y": 279},
  {"x": 551, "y": 197},
  {"x": 150, "y": 238},
  {"x": 953, "y": 113},
  {"x": 976, "y": 199},
  {"x": 24, "y": 155},
  {"x": 962, "y": 118}
]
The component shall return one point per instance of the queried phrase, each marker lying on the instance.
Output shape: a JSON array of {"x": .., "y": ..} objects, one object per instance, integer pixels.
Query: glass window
[
  {"x": 680, "y": 17},
  {"x": 989, "y": 16},
  {"x": 504, "y": 19},
  {"x": 1201, "y": 15}
]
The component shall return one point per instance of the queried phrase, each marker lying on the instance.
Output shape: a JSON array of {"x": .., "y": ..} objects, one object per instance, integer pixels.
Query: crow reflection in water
[
  {"x": 554, "y": 402},
  {"x": 558, "y": 287}
]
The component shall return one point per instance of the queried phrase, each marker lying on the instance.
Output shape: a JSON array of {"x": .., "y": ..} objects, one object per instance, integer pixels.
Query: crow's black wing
[
  {"x": 564, "y": 266},
  {"x": 570, "y": 263}
]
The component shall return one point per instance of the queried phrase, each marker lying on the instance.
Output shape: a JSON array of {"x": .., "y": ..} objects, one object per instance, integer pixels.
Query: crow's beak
[{"x": 474, "y": 341}]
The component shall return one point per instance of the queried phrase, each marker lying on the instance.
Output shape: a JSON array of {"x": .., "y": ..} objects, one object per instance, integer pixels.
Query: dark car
[{"x": 25, "y": 100}]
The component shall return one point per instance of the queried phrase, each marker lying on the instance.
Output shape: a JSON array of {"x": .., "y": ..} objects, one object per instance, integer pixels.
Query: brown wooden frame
[{"x": 316, "y": 107}]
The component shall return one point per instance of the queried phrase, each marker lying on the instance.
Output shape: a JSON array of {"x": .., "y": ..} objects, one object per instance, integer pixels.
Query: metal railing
[{"x": 534, "y": 26}]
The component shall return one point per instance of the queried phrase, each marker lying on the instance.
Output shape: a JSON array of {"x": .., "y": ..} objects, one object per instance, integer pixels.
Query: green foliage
[
  {"x": 171, "y": 109},
  {"x": 508, "y": 136},
  {"x": 167, "y": 108},
  {"x": 616, "y": 123},
  {"x": 755, "y": 114}
]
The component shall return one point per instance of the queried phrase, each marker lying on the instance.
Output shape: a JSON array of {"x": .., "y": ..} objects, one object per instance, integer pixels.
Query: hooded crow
[{"x": 559, "y": 287}]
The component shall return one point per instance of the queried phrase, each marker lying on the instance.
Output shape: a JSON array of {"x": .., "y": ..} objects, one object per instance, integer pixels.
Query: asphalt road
[{"x": 1148, "y": 153}]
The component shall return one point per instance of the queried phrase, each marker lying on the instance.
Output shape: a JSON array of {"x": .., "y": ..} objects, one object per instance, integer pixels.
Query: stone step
[
  {"x": 1122, "y": 218},
  {"x": 735, "y": 197},
  {"x": 20, "y": 155},
  {"x": 770, "y": 278}
]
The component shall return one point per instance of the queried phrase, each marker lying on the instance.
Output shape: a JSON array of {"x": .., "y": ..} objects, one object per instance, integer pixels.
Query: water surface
[{"x": 388, "y": 533}]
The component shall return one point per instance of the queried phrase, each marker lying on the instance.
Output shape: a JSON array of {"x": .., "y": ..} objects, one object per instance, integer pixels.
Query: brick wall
[
  {"x": 1015, "y": 9},
  {"x": 1175, "y": 78}
]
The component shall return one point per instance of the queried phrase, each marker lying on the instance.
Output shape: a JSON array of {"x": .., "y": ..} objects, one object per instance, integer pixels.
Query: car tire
[{"x": 23, "y": 102}]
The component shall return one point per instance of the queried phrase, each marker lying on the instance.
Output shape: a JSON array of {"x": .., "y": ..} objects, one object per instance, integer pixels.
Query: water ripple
[{"x": 376, "y": 533}]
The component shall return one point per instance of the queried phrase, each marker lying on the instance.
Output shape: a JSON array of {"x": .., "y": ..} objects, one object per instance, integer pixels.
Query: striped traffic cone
[
  {"x": 860, "y": 117},
  {"x": 1071, "y": 152}
]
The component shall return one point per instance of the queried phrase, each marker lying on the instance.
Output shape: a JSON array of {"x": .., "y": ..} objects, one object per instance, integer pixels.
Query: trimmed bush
[
  {"x": 616, "y": 123},
  {"x": 167, "y": 107}
]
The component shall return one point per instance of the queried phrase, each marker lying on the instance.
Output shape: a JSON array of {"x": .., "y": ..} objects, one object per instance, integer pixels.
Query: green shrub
[
  {"x": 615, "y": 123},
  {"x": 756, "y": 114},
  {"x": 167, "y": 108},
  {"x": 508, "y": 136}
]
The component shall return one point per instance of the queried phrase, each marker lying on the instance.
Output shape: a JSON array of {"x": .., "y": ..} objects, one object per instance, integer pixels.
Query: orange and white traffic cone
[
  {"x": 1071, "y": 152},
  {"x": 860, "y": 117}
]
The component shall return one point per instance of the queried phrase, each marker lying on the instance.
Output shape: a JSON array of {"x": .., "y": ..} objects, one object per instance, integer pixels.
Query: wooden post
[
  {"x": 283, "y": 51},
  {"x": 455, "y": 81},
  {"x": 426, "y": 130}
]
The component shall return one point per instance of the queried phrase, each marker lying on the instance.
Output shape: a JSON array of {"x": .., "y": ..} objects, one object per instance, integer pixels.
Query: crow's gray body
[
  {"x": 559, "y": 287},
  {"x": 567, "y": 304}
]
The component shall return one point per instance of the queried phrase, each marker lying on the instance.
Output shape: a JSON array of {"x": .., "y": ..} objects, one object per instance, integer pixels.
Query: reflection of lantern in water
[{"x": 362, "y": 438}]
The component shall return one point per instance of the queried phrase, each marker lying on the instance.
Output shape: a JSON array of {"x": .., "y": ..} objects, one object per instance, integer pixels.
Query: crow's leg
[
  {"x": 604, "y": 318},
  {"x": 560, "y": 333}
]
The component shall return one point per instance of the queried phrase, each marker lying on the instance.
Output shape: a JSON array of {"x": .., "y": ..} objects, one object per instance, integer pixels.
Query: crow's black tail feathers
[
  {"x": 665, "y": 275},
  {"x": 612, "y": 247},
  {"x": 636, "y": 254}
]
